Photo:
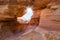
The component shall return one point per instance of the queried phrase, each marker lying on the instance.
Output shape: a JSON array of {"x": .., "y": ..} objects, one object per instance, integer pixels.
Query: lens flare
[{"x": 27, "y": 16}]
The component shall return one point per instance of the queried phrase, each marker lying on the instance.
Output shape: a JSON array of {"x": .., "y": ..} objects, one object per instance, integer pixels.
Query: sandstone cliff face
[
  {"x": 50, "y": 18},
  {"x": 16, "y": 8}
]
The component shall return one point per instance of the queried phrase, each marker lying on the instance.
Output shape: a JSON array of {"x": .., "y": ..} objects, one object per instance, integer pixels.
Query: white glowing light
[{"x": 27, "y": 16}]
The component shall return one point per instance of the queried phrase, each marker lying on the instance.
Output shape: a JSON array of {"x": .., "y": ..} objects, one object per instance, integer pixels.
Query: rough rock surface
[
  {"x": 39, "y": 33},
  {"x": 50, "y": 18}
]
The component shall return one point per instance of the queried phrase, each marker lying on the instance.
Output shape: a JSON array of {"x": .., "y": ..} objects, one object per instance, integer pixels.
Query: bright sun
[{"x": 27, "y": 16}]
